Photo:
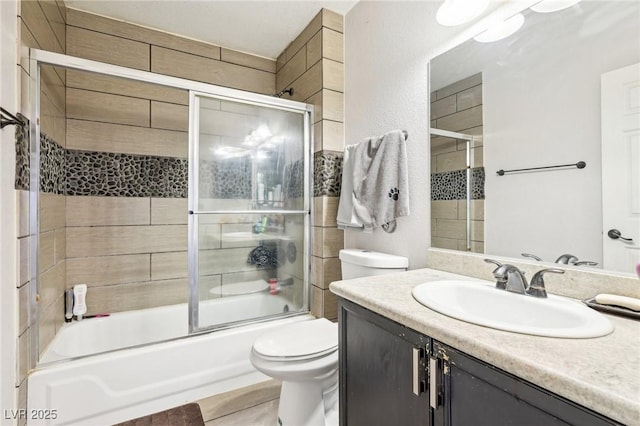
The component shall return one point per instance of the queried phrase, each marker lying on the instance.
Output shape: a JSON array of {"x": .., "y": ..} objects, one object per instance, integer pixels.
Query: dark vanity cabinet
[
  {"x": 391, "y": 375},
  {"x": 383, "y": 371}
]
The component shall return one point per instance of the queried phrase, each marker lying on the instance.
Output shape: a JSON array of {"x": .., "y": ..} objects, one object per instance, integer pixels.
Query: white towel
[
  {"x": 347, "y": 218},
  {"x": 376, "y": 178}
]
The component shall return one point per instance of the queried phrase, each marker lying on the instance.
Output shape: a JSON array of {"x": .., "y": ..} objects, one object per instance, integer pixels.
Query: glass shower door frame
[{"x": 306, "y": 111}]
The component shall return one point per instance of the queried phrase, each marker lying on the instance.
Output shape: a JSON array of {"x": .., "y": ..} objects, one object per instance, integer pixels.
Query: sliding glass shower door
[{"x": 249, "y": 209}]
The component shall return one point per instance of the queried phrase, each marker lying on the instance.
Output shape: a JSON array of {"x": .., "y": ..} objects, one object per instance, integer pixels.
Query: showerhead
[{"x": 289, "y": 91}]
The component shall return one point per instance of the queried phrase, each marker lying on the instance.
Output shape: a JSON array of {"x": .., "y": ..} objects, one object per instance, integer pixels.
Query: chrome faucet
[
  {"x": 567, "y": 259},
  {"x": 509, "y": 277},
  {"x": 537, "y": 288}
]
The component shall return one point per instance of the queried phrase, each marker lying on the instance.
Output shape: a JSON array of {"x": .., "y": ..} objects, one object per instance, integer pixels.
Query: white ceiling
[{"x": 263, "y": 28}]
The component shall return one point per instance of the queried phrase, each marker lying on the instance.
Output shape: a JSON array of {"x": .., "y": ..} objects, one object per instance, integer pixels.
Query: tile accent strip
[
  {"x": 86, "y": 173},
  {"x": 327, "y": 169},
  {"x": 453, "y": 185}
]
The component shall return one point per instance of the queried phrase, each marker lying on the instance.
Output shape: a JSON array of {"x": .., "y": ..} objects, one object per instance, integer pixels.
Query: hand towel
[
  {"x": 380, "y": 180},
  {"x": 346, "y": 217}
]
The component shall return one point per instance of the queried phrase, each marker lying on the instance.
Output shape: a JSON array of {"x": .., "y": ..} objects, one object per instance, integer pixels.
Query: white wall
[
  {"x": 387, "y": 48},
  {"x": 8, "y": 227}
]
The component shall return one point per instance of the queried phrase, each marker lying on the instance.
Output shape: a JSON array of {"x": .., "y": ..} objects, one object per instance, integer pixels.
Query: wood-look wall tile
[
  {"x": 332, "y": 105},
  {"x": 451, "y": 161},
  {"x": 22, "y": 202},
  {"x": 296, "y": 66},
  {"x": 444, "y": 209},
  {"x": 122, "y": 86},
  {"x": 55, "y": 19},
  {"x": 458, "y": 86},
  {"x": 314, "y": 49},
  {"x": 332, "y": 20},
  {"x": 310, "y": 30},
  {"x": 223, "y": 261},
  {"x": 169, "y": 265},
  {"x": 324, "y": 304},
  {"x": 333, "y": 242},
  {"x": 180, "y": 64},
  {"x": 52, "y": 121},
  {"x": 134, "y": 296},
  {"x": 477, "y": 209},
  {"x": 52, "y": 284},
  {"x": 332, "y": 45},
  {"x": 317, "y": 136},
  {"x": 46, "y": 250},
  {"x": 24, "y": 294},
  {"x": 282, "y": 59},
  {"x": 446, "y": 228},
  {"x": 135, "y": 32},
  {"x": 332, "y": 75},
  {"x": 107, "y": 137},
  {"x": 52, "y": 211},
  {"x": 35, "y": 19},
  {"x": 169, "y": 211},
  {"x": 107, "y": 108},
  {"x": 108, "y": 270},
  {"x": 316, "y": 100},
  {"x": 24, "y": 355},
  {"x": 107, "y": 48},
  {"x": 46, "y": 326},
  {"x": 442, "y": 145},
  {"x": 444, "y": 107},
  {"x": 111, "y": 240},
  {"x": 469, "y": 98},
  {"x": 27, "y": 41},
  {"x": 169, "y": 116},
  {"x": 308, "y": 83},
  {"x": 325, "y": 211},
  {"x": 246, "y": 60},
  {"x": 101, "y": 211},
  {"x": 53, "y": 86},
  {"x": 332, "y": 136},
  {"x": 445, "y": 243},
  {"x": 25, "y": 260}
]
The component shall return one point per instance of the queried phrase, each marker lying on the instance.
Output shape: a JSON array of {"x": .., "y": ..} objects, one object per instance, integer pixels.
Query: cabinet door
[
  {"x": 478, "y": 394},
  {"x": 382, "y": 371}
]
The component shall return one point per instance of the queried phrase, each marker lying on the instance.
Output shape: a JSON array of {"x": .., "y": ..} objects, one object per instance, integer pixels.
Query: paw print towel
[{"x": 380, "y": 181}]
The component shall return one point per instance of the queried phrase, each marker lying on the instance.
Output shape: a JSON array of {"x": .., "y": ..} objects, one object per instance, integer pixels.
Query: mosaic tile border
[
  {"x": 327, "y": 170},
  {"x": 84, "y": 173},
  {"x": 453, "y": 185}
]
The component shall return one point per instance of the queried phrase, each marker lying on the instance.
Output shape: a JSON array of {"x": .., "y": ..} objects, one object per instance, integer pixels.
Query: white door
[{"x": 621, "y": 168}]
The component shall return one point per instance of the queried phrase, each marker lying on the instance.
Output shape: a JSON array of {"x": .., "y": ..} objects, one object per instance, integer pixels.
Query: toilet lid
[{"x": 301, "y": 339}]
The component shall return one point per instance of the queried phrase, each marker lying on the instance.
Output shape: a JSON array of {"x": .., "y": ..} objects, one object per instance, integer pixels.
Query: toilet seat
[{"x": 305, "y": 340}]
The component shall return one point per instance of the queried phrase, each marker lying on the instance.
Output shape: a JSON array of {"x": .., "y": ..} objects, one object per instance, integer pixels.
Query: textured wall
[{"x": 386, "y": 86}]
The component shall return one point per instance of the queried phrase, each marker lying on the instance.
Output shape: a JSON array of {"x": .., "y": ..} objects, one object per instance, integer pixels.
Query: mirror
[{"x": 540, "y": 98}]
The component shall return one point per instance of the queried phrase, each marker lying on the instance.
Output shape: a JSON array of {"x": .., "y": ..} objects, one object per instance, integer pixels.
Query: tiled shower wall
[
  {"x": 458, "y": 108},
  {"x": 313, "y": 66},
  {"x": 131, "y": 250},
  {"x": 41, "y": 24}
]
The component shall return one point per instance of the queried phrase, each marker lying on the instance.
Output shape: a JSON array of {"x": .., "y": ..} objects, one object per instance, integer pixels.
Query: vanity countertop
[{"x": 602, "y": 373}]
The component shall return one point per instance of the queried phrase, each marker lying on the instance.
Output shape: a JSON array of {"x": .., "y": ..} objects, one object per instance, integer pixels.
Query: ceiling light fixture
[
  {"x": 547, "y": 6},
  {"x": 501, "y": 29},
  {"x": 457, "y": 12}
]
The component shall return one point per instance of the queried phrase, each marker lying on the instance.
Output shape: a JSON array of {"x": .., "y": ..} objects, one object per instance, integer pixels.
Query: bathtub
[{"x": 122, "y": 384}]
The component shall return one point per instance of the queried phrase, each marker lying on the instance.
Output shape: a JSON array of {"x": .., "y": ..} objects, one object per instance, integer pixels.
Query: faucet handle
[
  {"x": 499, "y": 273},
  {"x": 532, "y": 256},
  {"x": 585, "y": 262},
  {"x": 536, "y": 287}
]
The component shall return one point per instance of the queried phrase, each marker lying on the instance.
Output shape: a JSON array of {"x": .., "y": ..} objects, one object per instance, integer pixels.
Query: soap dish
[{"x": 609, "y": 309}]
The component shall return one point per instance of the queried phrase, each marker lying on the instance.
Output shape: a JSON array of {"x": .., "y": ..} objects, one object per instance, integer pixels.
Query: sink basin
[{"x": 483, "y": 304}]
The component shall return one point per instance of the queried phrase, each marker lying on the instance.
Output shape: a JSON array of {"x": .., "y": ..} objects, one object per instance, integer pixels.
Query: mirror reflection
[{"x": 563, "y": 89}]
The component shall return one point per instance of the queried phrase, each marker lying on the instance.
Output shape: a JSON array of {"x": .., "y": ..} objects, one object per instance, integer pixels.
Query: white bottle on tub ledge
[{"x": 79, "y": 300}]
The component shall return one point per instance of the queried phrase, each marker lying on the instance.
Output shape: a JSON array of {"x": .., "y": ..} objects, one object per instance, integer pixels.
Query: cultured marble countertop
[{"x": 602, "y": 373}]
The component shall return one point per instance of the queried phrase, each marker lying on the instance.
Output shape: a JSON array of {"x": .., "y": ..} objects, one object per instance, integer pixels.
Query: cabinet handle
[
  {"x": 416, "y": 370},
  {"x": 433, "y": 385}
]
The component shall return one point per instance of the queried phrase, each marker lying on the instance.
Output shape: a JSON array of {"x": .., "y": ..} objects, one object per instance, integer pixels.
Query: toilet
[{"x": 304, "y": 355}]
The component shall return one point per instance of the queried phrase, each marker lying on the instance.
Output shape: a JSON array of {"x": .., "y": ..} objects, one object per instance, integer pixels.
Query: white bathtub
[{"x": 111, "y": 387}]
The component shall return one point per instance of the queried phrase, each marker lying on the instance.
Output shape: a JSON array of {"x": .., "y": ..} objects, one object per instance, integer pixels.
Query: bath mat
[{"x": 184, "y": 415}]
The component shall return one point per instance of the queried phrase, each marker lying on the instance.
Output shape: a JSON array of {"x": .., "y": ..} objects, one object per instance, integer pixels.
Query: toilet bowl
[{"x": 304, "y": 355}]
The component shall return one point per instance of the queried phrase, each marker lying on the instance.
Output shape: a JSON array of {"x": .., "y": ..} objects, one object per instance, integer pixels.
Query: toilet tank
[{"x": 358, "y": 263}]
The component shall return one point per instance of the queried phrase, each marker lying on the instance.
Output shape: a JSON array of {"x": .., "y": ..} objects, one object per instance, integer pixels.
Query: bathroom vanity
[{"x": 402, "y": 363}]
